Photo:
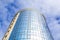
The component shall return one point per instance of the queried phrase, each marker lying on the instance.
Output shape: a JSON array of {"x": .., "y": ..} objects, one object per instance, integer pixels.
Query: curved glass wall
[{"x": 30, "y": 25}]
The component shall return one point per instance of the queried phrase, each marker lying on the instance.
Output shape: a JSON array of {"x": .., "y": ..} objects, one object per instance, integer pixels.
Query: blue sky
[{"x": 50, "y": 8}]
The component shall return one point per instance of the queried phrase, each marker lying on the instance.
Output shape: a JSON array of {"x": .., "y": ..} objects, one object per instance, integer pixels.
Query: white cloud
[{"x": 1, "y": 34}]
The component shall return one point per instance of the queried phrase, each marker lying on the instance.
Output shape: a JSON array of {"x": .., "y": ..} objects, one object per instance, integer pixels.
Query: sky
[{"x": 50, "y": 9}]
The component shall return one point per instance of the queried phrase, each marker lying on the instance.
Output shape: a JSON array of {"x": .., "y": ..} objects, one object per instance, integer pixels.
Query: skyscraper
[{"x": 29, "y": 25}]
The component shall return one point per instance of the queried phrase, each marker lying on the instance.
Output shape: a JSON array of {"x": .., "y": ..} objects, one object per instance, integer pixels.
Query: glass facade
[{"x": 30, "y": 25}]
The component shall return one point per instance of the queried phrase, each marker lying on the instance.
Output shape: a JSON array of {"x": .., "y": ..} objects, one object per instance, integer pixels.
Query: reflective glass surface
[{"x": 30, "y": 25}]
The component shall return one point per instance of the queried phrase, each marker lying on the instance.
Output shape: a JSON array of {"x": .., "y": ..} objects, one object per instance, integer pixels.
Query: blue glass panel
[{"x": 30, "y": 25}]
